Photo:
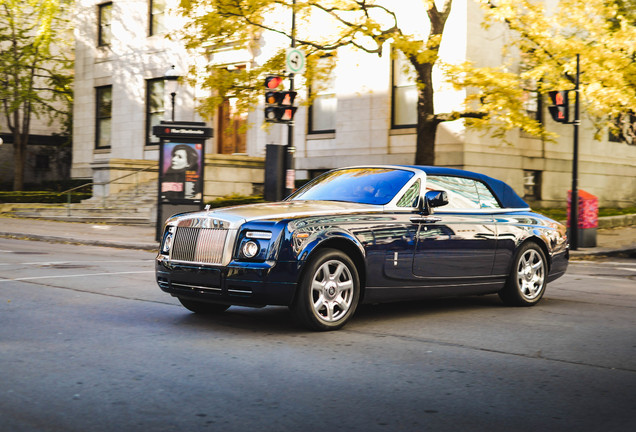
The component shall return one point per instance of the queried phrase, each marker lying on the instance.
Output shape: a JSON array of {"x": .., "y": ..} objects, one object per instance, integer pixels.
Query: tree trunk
[
  {"x": 19, "y": 160},
  {"x": 425, "y": 147},
  {"x": 426, "y": 121}
]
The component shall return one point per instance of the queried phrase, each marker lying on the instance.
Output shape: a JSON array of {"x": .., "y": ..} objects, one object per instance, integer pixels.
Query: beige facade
[{"x": 363, "y": 100}]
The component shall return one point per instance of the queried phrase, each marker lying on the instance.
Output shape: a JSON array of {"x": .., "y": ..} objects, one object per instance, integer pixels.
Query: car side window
[
  {"x": 486, "y": 198},
  {"x": 411, "y": 196},
  {"x": 462, "y": 192}
]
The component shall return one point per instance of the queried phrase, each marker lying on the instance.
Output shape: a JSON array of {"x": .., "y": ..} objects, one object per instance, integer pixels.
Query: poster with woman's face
[{"x": 181, "y": 171}]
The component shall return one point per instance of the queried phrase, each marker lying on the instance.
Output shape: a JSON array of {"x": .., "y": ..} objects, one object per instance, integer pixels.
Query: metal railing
[{"x": 136, "y": 173}]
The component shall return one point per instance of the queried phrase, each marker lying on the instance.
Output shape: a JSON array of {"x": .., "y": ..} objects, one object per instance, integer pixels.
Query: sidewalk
[
  {"x": 120, "y": 236},
  {"x": 610, "y": 241}
]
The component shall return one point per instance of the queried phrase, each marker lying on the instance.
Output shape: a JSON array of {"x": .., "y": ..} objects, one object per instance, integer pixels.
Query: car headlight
[
  {"x": 168, "y": 239},
  {"x": 250, "y": 249}
]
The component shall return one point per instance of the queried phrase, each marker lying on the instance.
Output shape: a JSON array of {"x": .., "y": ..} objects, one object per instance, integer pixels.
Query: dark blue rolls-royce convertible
[{"x": 365, "y": 234}]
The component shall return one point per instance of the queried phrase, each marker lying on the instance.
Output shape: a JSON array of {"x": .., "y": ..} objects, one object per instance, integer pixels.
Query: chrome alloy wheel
[
  {"x": 332, "y": 291},
  {"x": 531, "y": 274}
]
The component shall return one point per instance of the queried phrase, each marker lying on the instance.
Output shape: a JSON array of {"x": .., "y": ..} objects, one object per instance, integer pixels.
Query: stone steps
[{"x": 125, "y": 208}]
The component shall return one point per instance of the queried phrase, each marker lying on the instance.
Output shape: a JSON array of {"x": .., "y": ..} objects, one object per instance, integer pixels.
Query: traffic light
[
  {"x": 278, "y": 104},
  {"x": 559, "y": 110},
  {"x": 285, "y": 98},
  {"x": 280, "y": 114},
  {"x": 273, "y": 81}
]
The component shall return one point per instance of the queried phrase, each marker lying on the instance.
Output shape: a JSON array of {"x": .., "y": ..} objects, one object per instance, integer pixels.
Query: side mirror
[{"x": 433, "y": 199}]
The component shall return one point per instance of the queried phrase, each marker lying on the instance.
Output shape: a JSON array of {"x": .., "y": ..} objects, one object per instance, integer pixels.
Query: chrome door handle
[{"x": 427, "y": 219}]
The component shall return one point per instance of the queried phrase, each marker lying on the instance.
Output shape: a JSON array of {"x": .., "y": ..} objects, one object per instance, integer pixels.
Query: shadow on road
[{"x": 278, "y": 319}]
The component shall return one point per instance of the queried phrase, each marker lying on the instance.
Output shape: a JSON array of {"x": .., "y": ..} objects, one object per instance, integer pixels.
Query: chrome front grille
[{"x": 199, "y": 245}]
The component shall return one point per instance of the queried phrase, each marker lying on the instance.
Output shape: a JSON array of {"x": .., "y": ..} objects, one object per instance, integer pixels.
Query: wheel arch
[
  {"x": 348, "y": 246},
  {"x": 542, "y": 244}
]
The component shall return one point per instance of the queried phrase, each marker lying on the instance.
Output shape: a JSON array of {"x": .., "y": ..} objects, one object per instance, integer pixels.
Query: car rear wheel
[
  {"x": 328, "y": 293},
  {"x": 203, "y": 307},
  {"x": 527, "y": 280}
]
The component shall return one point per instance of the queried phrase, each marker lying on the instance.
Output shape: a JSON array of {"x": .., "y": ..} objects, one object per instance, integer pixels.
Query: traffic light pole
[
  {"x": 290, "y": 176},
  {"x": 574, "y": 198}
]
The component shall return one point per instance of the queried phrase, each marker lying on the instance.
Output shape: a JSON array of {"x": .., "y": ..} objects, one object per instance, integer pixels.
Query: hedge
[
  {"x": 46, "y": 197},
  {"x": 53, "y": 185}
]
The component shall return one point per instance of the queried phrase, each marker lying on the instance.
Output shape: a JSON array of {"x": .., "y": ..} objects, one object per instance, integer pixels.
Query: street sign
[{"x": 295, "y": 61}]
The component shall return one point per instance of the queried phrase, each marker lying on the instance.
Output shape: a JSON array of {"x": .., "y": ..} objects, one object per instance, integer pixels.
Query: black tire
[
  {"x": 528, "y": 277},
  {"x": 203, "y": 308},
  {"x": 328, "y": 292}
]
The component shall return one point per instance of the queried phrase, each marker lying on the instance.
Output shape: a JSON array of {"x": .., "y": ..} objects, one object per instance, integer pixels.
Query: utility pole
[
  {"x": 559, "y": 110},
  {"x": 289, "y": 172},
  {"x": 574, "y": 198}
]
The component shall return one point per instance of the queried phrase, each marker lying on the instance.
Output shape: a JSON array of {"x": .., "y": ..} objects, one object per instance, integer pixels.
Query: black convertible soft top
[{"x": 507, "y": 197}]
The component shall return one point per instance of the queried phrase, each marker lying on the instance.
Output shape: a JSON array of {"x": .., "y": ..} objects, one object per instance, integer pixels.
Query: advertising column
[{"x": 181, "y": 168}]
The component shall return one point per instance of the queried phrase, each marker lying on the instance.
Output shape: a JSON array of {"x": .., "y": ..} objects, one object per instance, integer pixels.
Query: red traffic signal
[
  {"x": 560, "y": 108},
  {"x": 273, "y": 81}
]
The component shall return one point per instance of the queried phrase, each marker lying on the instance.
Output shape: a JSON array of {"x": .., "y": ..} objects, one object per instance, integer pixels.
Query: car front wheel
[
  {"x": 527, "y": 280},
  {"x": 203, "y": 307},
  {"x": 329, "y": 291}
]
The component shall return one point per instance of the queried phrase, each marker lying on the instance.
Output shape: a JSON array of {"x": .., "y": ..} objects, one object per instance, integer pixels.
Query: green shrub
[
  {"x": 45, "y": 197},
  {"x": 55, "y": 186},
  {"x": 616, "y": 211}
]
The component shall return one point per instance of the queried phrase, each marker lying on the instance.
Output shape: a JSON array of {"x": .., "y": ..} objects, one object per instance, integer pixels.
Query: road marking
[
  {"x": 76, "y": 275},
  {"x": 75, "y": 262}
]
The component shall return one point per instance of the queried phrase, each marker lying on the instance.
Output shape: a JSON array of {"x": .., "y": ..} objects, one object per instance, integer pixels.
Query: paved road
[{"x": 88, "y": 342}]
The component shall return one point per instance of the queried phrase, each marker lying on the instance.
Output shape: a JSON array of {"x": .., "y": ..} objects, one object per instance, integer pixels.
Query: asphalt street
[{"x": 88, "y": 342}]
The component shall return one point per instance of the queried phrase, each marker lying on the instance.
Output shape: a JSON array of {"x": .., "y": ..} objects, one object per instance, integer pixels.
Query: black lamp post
[{"x": 171, "y": 80}]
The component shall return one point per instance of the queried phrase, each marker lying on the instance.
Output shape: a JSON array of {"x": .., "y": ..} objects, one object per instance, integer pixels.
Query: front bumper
[
  {"x": 246, "y": 284},
  {"x": 559, "y": 264}
]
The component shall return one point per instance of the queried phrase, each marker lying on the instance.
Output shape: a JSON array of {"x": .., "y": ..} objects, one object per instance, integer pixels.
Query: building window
[
  {"x": 232, "y": 127},
  {"x": 155, "y": 108},
  {"x": 404, "y": 93},
  {"x": 157, "y": 17},
  {"x": 104, "y": 31},
  {"x": 232, "y": 122},
  {"x": 534, "y": 105},
  {"x": 104, "y": 103},
  {"x": 532, "y": 185},
  {"x": 532, "y": 99},
  {"x": 322, "y": 112},
  {"x": 625, "y": 129}
]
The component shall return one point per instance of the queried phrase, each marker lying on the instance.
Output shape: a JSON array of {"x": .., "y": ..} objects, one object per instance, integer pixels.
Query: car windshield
[{"x": 375, "y": 186}]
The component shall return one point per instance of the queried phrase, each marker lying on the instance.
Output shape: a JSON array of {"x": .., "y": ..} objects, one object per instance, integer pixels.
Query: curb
[
  {"x": 612, "y": 221},
  {"x": 628, "y": 251},
  {"x": 617, "y": 221}
]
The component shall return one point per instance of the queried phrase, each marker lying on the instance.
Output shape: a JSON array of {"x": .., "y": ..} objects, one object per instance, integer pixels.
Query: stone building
[{"x": 365, "y": 116}]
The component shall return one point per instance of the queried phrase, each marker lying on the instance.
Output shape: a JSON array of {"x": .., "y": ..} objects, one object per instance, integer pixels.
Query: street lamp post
[{"x": 171, "y": 80}]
